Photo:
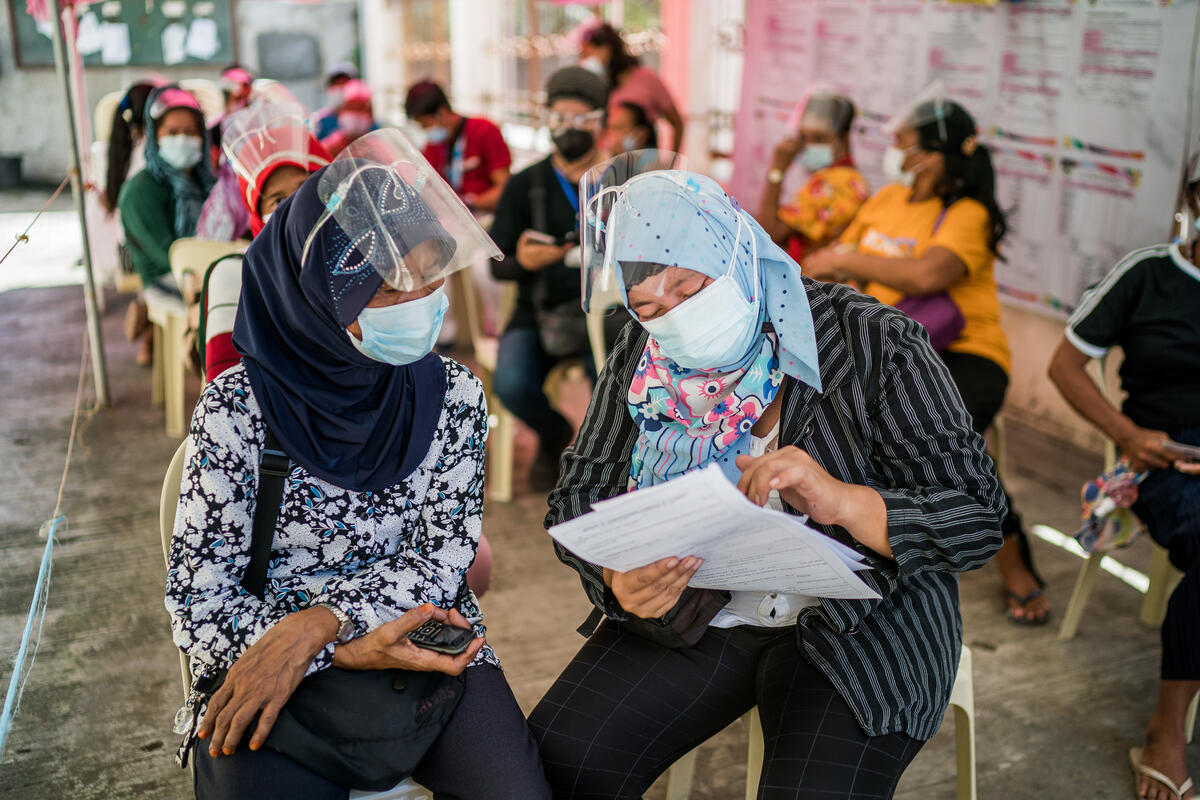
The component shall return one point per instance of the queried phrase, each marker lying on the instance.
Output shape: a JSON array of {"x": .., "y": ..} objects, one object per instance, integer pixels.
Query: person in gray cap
[{"x": 536, "y": 226}]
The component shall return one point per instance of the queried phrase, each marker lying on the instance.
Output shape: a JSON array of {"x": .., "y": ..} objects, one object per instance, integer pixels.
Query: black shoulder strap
[{"x": 273, "y": 468}]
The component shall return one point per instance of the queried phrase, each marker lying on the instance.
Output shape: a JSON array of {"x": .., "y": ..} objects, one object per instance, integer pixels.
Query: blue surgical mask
[
  {"x": 402, "y": 333},
  {"x": 715, "y": 328},
  {"x": 816, "y": 157},
  {"x": 181, "y": 151},
  {"x": 436, "y": 135}
]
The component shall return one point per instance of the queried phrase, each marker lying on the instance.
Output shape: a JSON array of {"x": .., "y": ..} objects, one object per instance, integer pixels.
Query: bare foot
[
  {"x": 1167, "y": 753},
  {"x": 1022, "y": 591}
]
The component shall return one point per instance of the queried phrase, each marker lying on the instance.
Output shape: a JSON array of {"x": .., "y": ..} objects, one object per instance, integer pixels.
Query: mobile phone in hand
[
  {"x": 539, "y": 237},
  {"x": 1186, "y": 452},
  {"x": 442, "y": 638}
]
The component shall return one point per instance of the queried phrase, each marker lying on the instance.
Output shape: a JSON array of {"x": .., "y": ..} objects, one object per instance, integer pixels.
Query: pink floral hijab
[{"x": 688, "y": 418}]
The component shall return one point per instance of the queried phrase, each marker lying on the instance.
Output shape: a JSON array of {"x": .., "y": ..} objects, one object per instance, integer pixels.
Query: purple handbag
[{"x": 939, "y": 313}]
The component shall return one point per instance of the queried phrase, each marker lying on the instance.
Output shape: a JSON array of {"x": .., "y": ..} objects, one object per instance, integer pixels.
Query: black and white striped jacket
[{"x": 890, "y": 418}]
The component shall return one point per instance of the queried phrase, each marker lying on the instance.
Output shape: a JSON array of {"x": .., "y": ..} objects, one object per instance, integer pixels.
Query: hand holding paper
[{"x": 743, "y": 547}]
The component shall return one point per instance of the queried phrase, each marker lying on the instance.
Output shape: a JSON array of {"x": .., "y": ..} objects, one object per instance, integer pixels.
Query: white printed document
[{"x": 702, "y": 514}]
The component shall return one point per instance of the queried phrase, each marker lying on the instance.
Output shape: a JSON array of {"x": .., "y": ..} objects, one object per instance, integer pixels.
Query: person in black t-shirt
[
  {"x": 535, "y": 225},
  {"x": 1149, "y": 305}
]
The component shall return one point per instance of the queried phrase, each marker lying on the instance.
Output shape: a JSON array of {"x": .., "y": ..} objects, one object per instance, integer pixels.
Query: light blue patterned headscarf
[{"x": 690, "y": 418}]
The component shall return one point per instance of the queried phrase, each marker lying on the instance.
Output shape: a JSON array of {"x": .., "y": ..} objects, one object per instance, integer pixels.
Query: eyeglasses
[{"x": 556, "y": 121}]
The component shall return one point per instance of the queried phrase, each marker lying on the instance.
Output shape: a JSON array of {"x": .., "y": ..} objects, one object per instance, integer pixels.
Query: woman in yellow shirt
[{"x": 933, "y": 233}]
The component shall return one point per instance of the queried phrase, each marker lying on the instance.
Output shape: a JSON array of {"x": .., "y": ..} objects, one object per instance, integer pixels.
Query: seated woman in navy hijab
[
  {"x": 341, "y": 304},
  {"x": 813, "y": 399}
]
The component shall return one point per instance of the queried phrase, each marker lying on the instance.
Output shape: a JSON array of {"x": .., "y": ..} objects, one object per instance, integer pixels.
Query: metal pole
[{"x": 99, "y": 371}]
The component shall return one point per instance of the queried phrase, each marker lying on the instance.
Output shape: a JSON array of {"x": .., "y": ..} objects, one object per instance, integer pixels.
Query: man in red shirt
[{"x": 469, "y": 152}]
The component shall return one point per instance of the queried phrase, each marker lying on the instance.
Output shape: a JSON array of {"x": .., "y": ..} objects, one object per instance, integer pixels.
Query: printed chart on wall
[
  {"x": 116, "y": 33},
  {"x": 1082, "y": 102}
]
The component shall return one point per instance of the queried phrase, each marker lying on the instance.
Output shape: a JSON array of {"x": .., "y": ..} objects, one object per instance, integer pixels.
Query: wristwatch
[
  {"x": 775, "y": 177},
  {"x": 346, "y": 630}
]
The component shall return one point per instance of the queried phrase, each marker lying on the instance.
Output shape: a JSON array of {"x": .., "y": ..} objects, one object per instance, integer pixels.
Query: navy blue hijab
[{"x": 358, "y": 423}]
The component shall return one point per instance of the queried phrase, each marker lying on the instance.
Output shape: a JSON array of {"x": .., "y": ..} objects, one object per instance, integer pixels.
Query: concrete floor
[{"x": 1053, "y": 719}]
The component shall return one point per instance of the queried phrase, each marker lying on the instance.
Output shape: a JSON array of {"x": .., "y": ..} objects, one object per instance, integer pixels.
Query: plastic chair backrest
[
  {"x": 602, "y": 302},
  {"x": 222, "y": 288},
  {"x": 168, "y": 503},
  {"x": 102, "y": 116},
  {"x": 190, "y": 258},
  {"x": 208, "y": 94}
]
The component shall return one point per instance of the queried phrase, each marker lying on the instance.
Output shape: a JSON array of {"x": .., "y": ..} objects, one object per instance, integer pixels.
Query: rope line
[
  {"x": 41, "y": 591},
  {"x": 23, "y": 236}
]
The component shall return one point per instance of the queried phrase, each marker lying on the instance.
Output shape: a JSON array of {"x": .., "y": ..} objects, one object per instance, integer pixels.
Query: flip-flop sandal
[
  {"x": 1139, "y": 769},
  {"x": 1021, "y": 600}
]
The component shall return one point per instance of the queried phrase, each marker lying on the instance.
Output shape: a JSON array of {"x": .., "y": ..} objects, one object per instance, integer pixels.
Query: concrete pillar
[{"x": 476, "y": 69}]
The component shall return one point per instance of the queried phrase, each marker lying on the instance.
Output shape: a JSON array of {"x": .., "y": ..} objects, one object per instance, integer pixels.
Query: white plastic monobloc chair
[{"x": 168, "y": 502}]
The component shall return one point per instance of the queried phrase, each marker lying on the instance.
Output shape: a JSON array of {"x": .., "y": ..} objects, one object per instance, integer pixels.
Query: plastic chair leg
[
  {"x": 679, "y": 778},
  {"x": 755, "y": 752},
  {"x": 500, "y": 484},
  {"x": 156, "y": 367},
  {"x": 962, "y": 699},
  {"x": 1163, "y": 579},
  {"x": 175, "y": 376},
  {"x": 1189, "y": 722},
  {"x": 1079, "y": 596}
]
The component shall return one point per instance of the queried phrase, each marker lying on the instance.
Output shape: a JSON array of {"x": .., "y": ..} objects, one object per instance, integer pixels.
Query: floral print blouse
[
  {"x": 374, "y": 555},
  {"x": 825, "y": 205}
]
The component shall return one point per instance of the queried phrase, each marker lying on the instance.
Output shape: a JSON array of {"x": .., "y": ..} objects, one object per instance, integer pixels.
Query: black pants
[
  {"x": 982, "y": 384},
  {"x": 522, "y": 365},
  {"x": 625, "y": 709},
  {"x": 484, "y": 753},
  {"x": 1169, "y": 503}
]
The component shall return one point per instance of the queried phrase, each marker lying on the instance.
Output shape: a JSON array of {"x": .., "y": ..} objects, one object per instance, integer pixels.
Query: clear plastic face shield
[
  {"x": 398, "y": 213},
  {"x": 653, "y": 243},
  {"x": 930, "y": 105},
  {"x": 264, "y": 134}
]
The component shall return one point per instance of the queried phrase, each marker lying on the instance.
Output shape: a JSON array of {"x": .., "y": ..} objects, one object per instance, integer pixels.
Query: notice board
[{"x": 120, "y": 33}]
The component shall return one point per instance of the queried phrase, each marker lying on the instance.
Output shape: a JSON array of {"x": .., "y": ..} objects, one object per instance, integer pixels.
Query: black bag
[
  {"x": 562, "y": 328},
  {"x": 362, "y": 729},
  {"x": 679, "y": 628}
]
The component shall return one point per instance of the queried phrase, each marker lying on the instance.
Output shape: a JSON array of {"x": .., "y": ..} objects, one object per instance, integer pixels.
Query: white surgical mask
[
  {"x": 593, "y": 64},
  {"x": 816, "y": 157},
  {"x": 355, "y": 123},
  {"x": 714, "y": 328},
  {"x": 630, "y": 142},
  {"x": 182, "y": 151},
  {"x": 893, "y": 167},
  {"x": 436, "y": 135},
  {"x": 402, "y": 333}
]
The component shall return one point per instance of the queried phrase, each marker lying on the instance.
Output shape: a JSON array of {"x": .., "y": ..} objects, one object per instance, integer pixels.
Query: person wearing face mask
[
  {"x": 535, "y": 224},
  {"x": 271, "y": 153},
  {"x": 469, "y": 152},
  {"x": 379, "y": 518},
  {"x": 629, "y": 129},
  {"x": 162, "y": 202},
  {"x": 355, "y": 117},
  {"x": 603, "y": 52},
  {"x": 1149, "y": 306},
  {"x": 324, "y": 122},
  {"x": 813, "y": 400},
  {"x": 834, "y": 191},
  {"x": 933, "y": 235}
]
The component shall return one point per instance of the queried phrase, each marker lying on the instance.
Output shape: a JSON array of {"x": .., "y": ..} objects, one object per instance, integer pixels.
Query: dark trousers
[
  {"x": 982, "y": 384},
  {"x": 1169, "y": 503},
  {"x": 625, "y": 709},
  {"x": 522, "y": 365},
  {"x": 485, "y": 753}
]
